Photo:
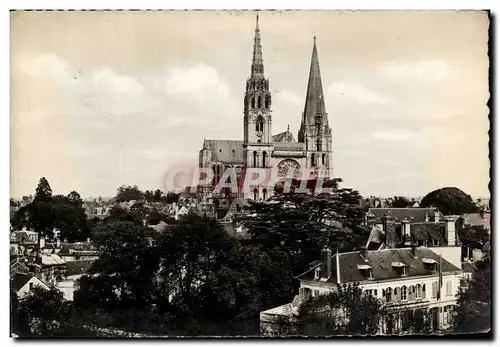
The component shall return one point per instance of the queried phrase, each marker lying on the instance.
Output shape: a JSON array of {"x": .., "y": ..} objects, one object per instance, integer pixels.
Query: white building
[
  {"x": 403, "y": 279},
  {"x": 22, "y": 284}
]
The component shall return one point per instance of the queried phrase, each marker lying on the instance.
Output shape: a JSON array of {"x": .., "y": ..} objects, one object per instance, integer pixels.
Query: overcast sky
[{"x": 104, "y": 99}]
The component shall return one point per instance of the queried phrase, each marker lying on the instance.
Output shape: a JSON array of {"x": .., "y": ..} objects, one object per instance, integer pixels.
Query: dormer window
[
  {"x": 317, "y": 273},
  {"x": 366, "y": 270},
  {"x": 431, "y": 264},
  {"x": 400, "y": 267}
]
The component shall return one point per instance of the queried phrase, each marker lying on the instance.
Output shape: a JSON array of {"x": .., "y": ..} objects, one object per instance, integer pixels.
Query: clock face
[{"x": 288, "y": 168}]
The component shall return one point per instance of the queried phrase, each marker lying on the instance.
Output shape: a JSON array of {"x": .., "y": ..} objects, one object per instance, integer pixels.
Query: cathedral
[{"x": 311, "y": 152}]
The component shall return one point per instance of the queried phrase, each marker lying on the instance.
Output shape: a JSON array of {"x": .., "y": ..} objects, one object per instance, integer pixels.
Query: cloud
[
  {"x": 356, "y": 92},
  {"x": 112, "y": 81},
  {"x": 201, "y": 83}
]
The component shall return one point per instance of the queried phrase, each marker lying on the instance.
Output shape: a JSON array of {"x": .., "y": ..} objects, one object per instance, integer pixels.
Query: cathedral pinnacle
[
  {"x": 315, "y": 103},
  {"x": 257, "y": 62}
]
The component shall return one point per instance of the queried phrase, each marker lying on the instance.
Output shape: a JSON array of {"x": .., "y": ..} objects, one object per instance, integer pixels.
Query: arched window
[
  {"x": 264, "y": 193},
  {"x": 388, "y": 295},
  {"x": 418, "y": 292},
  {"x": 423, "y": 291},
  {"x": 259, "y": 125},
  {"x": 268, "y": 101},
  {"x": 259, "y": 102},
  {"x": 264, "y": 154},
  {"x": 255, "y": 193},
  {"x": 397, "y": 294},
  {"x": 313, "y": 161},
  {"x": 254, "y": 158},
  {"x": 323, "y": 156},
  {"x": 253, "y": 101},
  {"x": 404, "y": 293}
]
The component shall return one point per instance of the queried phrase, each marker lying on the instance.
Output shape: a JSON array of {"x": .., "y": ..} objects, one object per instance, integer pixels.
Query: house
[
  {"x": 23, "y": 283},
  {"x": 476, "y": 219},
  {"x": 440, "y": 235},
  {"x": 18, "y": 265},
  {"x": 52, "y": 268},
  {"x": 74, "y": 270},
  {"x": 414, "y": 278},
  {"x": 78, "y": 251},
  {"x": 181, "y": 212}
]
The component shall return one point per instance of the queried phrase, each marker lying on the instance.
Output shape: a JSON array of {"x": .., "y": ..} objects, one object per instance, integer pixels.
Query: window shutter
[{"x": 423, "y": 291}]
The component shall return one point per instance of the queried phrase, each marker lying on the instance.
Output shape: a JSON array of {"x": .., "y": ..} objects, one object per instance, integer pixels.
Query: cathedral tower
[
  {"x": 314, "y": 129},
  {"x": 257, "y": 141}
]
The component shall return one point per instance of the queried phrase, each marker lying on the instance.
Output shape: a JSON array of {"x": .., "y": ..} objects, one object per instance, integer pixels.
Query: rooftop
[{"x": 381, "y": 262}]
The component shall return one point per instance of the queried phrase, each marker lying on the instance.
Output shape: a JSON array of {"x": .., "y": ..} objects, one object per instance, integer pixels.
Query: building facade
[
  {"x": 310, "y": 154},
  {"x": 404, "y": 280}
]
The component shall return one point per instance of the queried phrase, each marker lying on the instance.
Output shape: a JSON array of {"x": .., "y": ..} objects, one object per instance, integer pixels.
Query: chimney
[
  {"x": 337, "y": 261},
  {"x": 405, "y": 231},
  {"x": 326, "y": 259},
  {"x": 58, "y": 243},
  {"x": 436, "y": 216},
  {"x": 384, "y": 222},
  {"x": 88, "y": 239},
  {"x": 449, "y": 230}
]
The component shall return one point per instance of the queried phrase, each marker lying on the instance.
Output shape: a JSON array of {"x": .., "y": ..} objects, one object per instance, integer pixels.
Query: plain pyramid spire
[
  {"x": 257, "y": 62},
  {"x": 315, "y": 103}
]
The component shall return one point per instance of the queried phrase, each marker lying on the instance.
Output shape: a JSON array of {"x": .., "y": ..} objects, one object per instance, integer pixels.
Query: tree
[
  {"x": 43, "y": 313},
  {"x": 473, "y": 237},
  {"x": 473, "y": 310},
  {"x": 155, "y": 217},
  {"x": 70, "y": 217},
  {"x": 157, "y": 195},
  {"x": 40, "y": 212},
  {"x": 129, "y": 193},
  {"x": 148, "y": 195},
  {"x": 43, "y": 191},
  {"x": 171, "y": 197},
  {"x": 125, "y": 270},
  {"x": 346, "y": 311},
  {"x": 450, "y": 201},
  {"x": 401, "y": 202},
  {"x": 301, "y": 225},
  {"x": 191, "y": 251}
]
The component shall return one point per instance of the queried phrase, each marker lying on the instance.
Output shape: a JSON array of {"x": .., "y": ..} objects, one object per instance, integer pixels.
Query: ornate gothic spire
[
  {"x": 315, "y": 103},
  {"x": 257, "y": 62}
]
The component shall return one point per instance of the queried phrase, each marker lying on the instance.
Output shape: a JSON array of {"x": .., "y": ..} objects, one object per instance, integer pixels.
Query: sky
[{"x": 101, "y": 99}]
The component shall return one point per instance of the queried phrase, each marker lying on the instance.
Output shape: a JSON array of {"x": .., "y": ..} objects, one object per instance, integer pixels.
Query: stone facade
[{"x": 280, "y": 153}]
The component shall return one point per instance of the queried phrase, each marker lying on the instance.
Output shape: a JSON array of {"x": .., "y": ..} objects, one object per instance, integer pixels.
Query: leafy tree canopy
[{"x": 450, "y": 201}]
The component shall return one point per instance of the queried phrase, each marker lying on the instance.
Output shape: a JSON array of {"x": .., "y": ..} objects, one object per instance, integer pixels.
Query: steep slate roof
[
  {"x": 428, "y": 231},
  {"x": 19, "y": 280},
  {"x": 381, "y": 263},
  {"x": 52, "y": 260},
  {"x": 279, "y": 137},
  {"x": 398, "y": 214},
  {"x": 225, "y": 151}
]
